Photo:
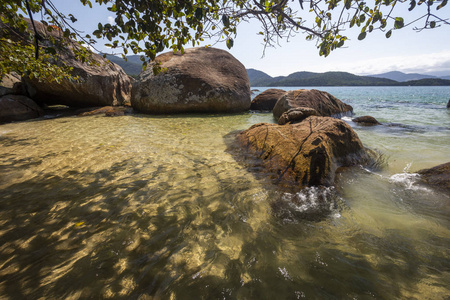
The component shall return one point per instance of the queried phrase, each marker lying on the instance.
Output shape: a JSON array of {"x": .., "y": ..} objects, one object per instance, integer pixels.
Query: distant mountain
[
  {"x": 400, "y": 76},
  {"x": 133, "y": 65},
  {"x": 259, "y": 78},
  {"x": 426, "y": 82}
]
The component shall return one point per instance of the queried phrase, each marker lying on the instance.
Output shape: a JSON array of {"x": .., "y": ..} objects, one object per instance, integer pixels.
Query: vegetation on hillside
[{"x": 258, "y": 78}]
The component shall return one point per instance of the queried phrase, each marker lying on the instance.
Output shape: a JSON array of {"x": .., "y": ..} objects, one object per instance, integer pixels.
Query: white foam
[
  {"x": 310, "y": 199},
  {"x": 408, "y": 181},
  {"x": 346, "y": 118}
]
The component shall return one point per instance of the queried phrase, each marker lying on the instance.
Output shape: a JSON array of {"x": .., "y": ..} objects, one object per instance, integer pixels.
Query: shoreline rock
[
  {"x": 108, "y": 111},
  {"x": 18, "y": 108},
  {"x": 202, "y": 80},
  {"x": 324, "y": 103},
  {"x": 101, "y": 83},
  {"x": 366, "y": 121},
  {"x": 438, "y": 176},
  {"x": 306, "y": 153},
  {"x": 267, "y": 99}
]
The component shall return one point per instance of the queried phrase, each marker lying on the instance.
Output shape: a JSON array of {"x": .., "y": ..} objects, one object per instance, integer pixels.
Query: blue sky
[{"x": 426, "y": 52}]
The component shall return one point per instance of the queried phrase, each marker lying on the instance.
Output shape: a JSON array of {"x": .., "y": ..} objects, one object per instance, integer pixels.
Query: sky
[{"x": 408, "y": 51}]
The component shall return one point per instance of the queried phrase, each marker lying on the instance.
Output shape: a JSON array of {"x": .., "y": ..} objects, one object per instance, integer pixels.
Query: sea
[{"x": 161, "y": 207}]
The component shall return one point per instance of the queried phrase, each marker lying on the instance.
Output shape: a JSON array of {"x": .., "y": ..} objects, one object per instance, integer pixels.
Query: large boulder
[
  {"x": 324, "y": 103},
  {"x": 267, "y": 99},
  {"x": 199, "y": 80},
  {"x": 306, "y": 153},
  {"x": 18, "y": 108},
  {"x": 10, "y": 84},
  {"x": 101, "y": 82},
  {"x": 438, "y": 176}
]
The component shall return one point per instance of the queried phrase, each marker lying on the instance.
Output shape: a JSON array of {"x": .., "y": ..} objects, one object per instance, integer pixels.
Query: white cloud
[
  {"x": 111, "y": 20},
  {"x": 420, "y": 63}
]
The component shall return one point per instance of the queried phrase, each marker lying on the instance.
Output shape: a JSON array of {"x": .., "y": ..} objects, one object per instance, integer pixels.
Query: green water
[{"x": 144, "y": 207}]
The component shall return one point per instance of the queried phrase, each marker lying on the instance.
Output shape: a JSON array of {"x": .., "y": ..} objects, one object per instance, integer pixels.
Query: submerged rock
[
  {"x": 200, "y": 80},
  {"x": 109, "y": 111},
  {"x": 366, "y": 120},
  {"x": 438, "y": 176},
  {"x": 101, "y": 83},
  {"x": 295, "y": 115},
  {"x": 324, "y": 103},
  {"x": 448, "y": 104},
  {"x": 18, "y": 108},
  {"x": 267, "y": 99},
  {"x": 304, "y": 154}
]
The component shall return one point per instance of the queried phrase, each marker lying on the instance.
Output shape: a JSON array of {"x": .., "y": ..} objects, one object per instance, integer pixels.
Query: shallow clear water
[{"x": 136, "y": 207}]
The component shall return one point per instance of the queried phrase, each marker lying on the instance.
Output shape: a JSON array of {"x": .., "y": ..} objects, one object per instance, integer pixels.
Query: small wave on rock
[{"x": 311, "y": 203}]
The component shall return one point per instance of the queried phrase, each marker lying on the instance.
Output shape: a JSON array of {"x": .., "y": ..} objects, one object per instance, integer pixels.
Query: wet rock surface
[
  {"x": 366, "y": 121},
  {"x": 303, "y": 154},
  {"x": 438, "y": 176}
]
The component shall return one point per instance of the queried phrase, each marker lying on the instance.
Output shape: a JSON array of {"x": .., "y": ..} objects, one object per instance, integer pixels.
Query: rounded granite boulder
[
  {"x": 324, "y": 103},
  {"x": 306, "y": 153},
  {"x": 201, "y": 80},
  {"x": 267, "y": 99}
]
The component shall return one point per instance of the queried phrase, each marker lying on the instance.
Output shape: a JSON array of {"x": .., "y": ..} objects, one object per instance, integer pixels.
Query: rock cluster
[{"x": 324, "y": 103}]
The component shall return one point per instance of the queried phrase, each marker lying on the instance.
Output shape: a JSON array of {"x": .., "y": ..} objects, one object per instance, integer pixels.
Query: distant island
[
  {"x": 259, "y": 78},
  {"x": 133, "y": 67}
]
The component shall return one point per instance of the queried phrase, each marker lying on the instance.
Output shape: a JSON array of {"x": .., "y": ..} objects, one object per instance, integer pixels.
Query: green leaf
[
  {"x": 348, "y": 4},
  {"x": 444, "y": 3},
  {"x": 199, "y": 13},
  {"x": 432, "y": 24},
  {"x": 226, "y": 21},
  {"x": 362, "y": 36},
  {"x": 230, "y": 43},
  {"x": 50, "y": 50},
  {"x": 398, "y": 23},
  {"x": 412, "y": 5},
  {"x": 388, "y": 34}
]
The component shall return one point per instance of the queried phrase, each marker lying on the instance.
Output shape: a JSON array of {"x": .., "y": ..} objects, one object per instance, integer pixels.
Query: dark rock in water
[
  {"x": 18, "y": 108},
  {"x": 109, "y": 111},
  {"x": 267, "y": 99},
  {"x": 295, "y": 115},
  {"x": 304, "y": 154},
  {"x": 324, "y": 103},
  {"x": 200, "y": 80},
  {"x": 366, "y": 120},
  {"x": 101, "y": 83},
  {"x": 438, "y": 176},
  {"x": 448, "y": 104}
]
